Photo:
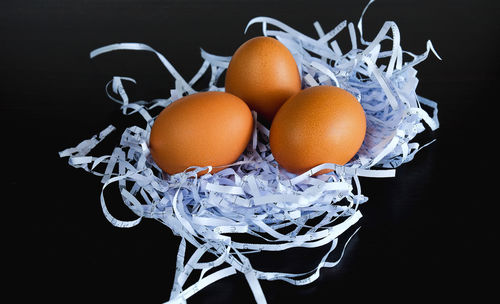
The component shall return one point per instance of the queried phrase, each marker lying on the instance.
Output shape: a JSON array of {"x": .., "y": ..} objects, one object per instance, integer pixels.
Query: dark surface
[{"x": 426, "y": 234}]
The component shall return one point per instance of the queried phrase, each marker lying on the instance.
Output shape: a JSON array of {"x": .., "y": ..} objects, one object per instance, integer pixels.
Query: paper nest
[{"x": 254, "y": 196}]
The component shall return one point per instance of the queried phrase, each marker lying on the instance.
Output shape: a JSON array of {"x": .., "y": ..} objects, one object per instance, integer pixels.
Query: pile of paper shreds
[{"x": 254, "y": 199}]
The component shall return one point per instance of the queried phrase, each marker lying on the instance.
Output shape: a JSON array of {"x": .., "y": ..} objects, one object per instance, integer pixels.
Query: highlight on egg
[
  {"x": 264, "y": 74},
  {"x": 202, "y": 129},
  {"x": 321, "y": 124}
]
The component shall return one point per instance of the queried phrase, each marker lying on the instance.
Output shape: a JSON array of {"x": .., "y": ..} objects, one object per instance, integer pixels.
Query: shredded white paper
[{"x": 254, "y": 197}]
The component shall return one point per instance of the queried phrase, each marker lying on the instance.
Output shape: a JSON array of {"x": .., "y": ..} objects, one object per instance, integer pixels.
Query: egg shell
[
  {"x": 202, "y": 129},
  {"x": 264, "y": 74},
  {"x": 322, "y": 124}
]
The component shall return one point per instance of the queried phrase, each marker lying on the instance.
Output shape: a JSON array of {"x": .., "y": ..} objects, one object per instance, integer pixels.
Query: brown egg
[
  {"x": 264, "y": 74},
  {"x": 322, "y": 124},
  {"x": 202, "y": 129}
]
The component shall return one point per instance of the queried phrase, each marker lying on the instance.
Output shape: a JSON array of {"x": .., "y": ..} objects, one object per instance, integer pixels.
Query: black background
[{"x": 427, "y": 234}]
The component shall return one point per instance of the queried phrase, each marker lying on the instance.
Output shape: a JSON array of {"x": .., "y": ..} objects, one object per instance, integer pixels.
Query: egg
[
  {"x": 264, "y": 74},
  {"x": 322, "y": 124},
  {"x": 202, "y": 129}
]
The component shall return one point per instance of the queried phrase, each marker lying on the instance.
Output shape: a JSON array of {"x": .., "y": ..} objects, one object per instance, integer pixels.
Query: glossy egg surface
[
  {"x": 264, "y": 74},
  {"x": 202, "y": 129},
  {"x": 322, "y": 124}
]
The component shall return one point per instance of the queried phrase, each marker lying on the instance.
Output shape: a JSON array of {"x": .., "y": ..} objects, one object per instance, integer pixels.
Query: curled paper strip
[{"x": 254, "y": 197}]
